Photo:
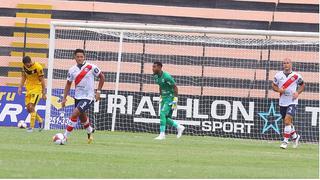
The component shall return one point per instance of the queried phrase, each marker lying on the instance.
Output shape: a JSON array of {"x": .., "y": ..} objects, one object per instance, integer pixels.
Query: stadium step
[
  {"x": 13, "y": 84},
  {"x": 35, "y": 6},
  {"x": 34, "y": 15},
  {"x": 33, "y": 25},
  {"x": 15, "y": 64},
  {"x": 14, "y": 74},
  {"x": 31, "y": 35},
  {"x": 31, "y": 54},
  {"x": 20, "y": 64},
  {"x": 30, "y": 45}
]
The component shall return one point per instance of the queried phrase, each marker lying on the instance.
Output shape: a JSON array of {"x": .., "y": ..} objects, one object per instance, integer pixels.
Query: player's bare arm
[
  {"x": 23, "y": 80},
  {"x": 277, "y": 89},
  {"x": 65, "y": 93},
  {"x": 299, "y": 91},
  {"x": 175, "y": 90},
  {"x": 100, "y": 85},
  {"x": 43, "y": 84}
]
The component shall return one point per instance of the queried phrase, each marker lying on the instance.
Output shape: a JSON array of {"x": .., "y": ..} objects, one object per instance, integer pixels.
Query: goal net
[{"x": 224, "y": 78}]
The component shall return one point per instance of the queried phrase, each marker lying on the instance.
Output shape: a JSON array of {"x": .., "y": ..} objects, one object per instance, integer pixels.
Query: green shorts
[{"x": 166, "y": 107}]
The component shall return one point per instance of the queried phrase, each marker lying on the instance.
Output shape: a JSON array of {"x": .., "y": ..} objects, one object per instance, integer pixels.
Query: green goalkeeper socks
[
  {"x": 175, "y": 124},
  {"x": 168, "y": 121},
  {"x": 162, "y": 129},
  {"x": 172, "y": 122}
]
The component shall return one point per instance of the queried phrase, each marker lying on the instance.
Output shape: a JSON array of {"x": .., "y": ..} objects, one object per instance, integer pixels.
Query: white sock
[
  {"x": 293, "y": 132},
  {"x": 287, "y": 131},
  {"x": 71, "y": 124},
  {"x": 66, "y": 133},
  {"x": 89, "y": 129},
  {"x": 162, "y": 134}
]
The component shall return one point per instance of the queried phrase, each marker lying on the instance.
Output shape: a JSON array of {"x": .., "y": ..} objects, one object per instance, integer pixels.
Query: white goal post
[{"x": 222, "y": 74}]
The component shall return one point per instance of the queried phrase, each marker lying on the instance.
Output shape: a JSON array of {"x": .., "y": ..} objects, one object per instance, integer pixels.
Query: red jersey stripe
[
  {"x": 82, "y": 74},
  {"x": 290, "y": 81}
]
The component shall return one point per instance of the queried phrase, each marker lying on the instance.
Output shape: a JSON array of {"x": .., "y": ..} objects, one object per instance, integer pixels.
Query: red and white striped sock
[
  {"x": 72, "y": 123},
  {"x": 293, "y": 132},
  {"x": 286, "y": 134},
  {"x": 87, "y": 126}
]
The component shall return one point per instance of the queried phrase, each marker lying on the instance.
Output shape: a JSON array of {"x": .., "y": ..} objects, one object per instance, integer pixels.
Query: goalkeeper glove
[{"x": 174, "y": 103}]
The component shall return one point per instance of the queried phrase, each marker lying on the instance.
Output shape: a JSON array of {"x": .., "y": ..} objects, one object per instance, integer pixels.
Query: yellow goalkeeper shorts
[{"x": 33, "y": 98}]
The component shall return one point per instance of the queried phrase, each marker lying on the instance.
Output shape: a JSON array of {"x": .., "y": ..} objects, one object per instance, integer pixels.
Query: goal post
[
  {"x": 224, "y": 77},
  {"x": 49, "y": 76}
]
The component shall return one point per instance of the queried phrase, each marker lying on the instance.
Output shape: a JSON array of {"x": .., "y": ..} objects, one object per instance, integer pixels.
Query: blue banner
[{"x": 13, "y": 109}]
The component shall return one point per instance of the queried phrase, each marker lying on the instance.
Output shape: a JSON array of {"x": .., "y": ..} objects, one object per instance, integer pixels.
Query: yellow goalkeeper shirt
[{"x": 33, "y": 74}]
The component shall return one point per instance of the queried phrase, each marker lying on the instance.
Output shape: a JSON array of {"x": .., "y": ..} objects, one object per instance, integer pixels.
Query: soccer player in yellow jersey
[{"x": 33, "y": 78}]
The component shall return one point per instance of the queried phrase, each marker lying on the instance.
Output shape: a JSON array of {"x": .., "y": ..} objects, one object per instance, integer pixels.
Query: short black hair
[
  {"x": 26, "y": 60},
  {"x": 78, "y": 51},
  {"x": 158, "y": 63}
]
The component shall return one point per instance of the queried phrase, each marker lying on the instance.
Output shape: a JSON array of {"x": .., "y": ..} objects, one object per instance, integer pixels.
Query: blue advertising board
[{"x": 12, "y": 107}]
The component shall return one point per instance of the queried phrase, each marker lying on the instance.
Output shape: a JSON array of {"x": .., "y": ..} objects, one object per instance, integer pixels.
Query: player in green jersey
[{"x": 168, "y": 100}]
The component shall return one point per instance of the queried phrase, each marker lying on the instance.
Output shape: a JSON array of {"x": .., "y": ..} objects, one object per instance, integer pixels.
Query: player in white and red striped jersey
[
  {"x": 83, "y": 74},
  {"x": 290, "y": 85}
]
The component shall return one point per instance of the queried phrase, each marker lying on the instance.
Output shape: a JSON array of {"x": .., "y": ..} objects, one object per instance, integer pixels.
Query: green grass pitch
[{"x": 137, "y": 155}]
